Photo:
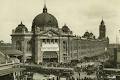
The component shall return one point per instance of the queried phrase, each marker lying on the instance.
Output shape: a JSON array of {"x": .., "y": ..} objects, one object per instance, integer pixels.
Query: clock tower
[{"x": 102, "y": 30}]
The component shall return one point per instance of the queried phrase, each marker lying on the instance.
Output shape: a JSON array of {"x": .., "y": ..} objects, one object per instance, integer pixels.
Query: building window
[
  {"x": 48, "y": 41},
  {"x": 56, "y": 40},
  {"x": 63, "y": 42},
  {"x": 52, "y": 41},
  {"x": 43, "y": 40},
  {"x": 19, "y": 45},
  {"x": 63, "y": 47},
  {"x": 29, "y": 46}
]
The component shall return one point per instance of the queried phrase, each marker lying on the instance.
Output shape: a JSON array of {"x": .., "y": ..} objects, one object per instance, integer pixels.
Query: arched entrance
[{"x": 50, "y": 56}]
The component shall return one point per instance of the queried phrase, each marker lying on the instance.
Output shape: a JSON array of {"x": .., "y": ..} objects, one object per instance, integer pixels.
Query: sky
[{"x": 79, "y": 15}]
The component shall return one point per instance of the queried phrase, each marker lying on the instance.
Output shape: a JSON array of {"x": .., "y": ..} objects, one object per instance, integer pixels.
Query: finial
[
  {"x": 21, "y": 22},
  {"x": 65, "y": 24},
  {"x": 102, "y": 22},
  {"x": 44, "y": 3},
  {"x": 45, "y": 8}
]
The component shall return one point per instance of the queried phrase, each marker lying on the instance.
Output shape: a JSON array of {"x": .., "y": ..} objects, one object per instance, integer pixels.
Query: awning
[
  {"x": 12, "y": 52},
  {"x": 10, "y": 70},
  {"x": 50, "y": 54}
]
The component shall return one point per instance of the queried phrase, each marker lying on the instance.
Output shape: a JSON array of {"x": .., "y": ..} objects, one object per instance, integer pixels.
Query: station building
[{"x": 46, "y": 42}]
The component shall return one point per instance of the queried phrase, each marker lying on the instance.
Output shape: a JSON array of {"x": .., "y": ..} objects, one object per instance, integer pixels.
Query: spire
[
  {"x": 102, "y": 22},
  {"x": 21, "y": 24},
  {"x": 45, "y": 8},
  {"x": 102, "y": 30}
]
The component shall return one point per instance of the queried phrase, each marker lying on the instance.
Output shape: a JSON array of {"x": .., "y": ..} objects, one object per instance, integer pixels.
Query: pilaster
[
  {"x": 24, "y": 49},
  {"x": 38, "y": 52}
]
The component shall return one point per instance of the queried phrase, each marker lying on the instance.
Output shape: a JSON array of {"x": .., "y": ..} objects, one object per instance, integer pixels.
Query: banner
[{"x": 50, "y": 47}]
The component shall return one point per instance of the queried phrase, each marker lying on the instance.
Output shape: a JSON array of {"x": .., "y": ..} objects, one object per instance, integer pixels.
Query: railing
[
  {"x": 59, "y": 68},
  {"x": 44, "y": 67},
  {"x": 8, "y": 66},
  {"x": 1, "y": 65}
]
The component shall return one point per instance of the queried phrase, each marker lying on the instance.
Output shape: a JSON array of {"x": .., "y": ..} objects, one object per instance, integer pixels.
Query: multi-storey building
[{"x": 46, "y": 42}]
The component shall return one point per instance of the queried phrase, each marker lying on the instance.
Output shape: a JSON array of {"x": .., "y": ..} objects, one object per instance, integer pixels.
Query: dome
[
  {"x": 45, "y": 20},
  {"x": 65, "y": 28},
  {"x": 20, "y": 28},
  {"x": 91, "y": 34},
  {"x": 86, "y": 33}
]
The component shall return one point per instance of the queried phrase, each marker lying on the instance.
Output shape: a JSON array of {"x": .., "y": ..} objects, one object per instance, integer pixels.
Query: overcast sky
[{"x": 79, "y": 15}]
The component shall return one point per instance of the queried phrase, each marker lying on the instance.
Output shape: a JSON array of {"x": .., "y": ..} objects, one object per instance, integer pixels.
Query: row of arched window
[
  {"x": 50, "y": 40},
  {"x": 19, "y": 45}
]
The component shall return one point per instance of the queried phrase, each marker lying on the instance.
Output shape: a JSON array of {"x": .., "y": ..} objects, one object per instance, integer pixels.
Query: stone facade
[{"x": 46, "y": 42}]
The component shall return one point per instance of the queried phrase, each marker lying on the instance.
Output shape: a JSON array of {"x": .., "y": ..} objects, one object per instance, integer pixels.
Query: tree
[{"x": 1, "y": 42}]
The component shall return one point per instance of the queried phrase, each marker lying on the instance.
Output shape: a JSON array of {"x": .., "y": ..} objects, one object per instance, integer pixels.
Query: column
[
  {"x": 24, "y": 49},
  {"x": 13, "y": 43},
  {"x": 38, "y": 52},
  {"x": 60, "y": 51}
]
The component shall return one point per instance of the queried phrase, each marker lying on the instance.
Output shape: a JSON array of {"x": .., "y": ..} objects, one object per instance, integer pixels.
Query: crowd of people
[
  {"x": 87, "y": 69},
  {"x": 87, "y": 78}
]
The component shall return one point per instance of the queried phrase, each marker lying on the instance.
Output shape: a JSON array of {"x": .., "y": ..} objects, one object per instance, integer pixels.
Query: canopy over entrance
[{"x": 50, "y": 56}]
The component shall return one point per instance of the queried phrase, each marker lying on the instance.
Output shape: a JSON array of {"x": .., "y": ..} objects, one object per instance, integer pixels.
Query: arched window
[
  {"x": 48, "y": 40},
  {"x": 56, "y": 40},
  {"x": 65, "y": 45},
  {"x": 19, "y": 45},
  {"x": 52, "y": 41},
  {"x": 29, "y": 46}
]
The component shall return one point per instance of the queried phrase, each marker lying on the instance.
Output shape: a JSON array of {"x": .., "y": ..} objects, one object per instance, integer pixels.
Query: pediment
[{"x": 50, "y": 33}]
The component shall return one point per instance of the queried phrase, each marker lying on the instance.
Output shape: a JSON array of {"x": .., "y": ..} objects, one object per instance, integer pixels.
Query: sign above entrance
[{"x": 50, "y": 47}]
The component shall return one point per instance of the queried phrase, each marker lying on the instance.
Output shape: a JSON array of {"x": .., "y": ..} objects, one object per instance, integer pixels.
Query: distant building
[
  {"x": 11, "y": 54},
  {"x": 114, "y": 51},
  {"x": 3, "y": 58},
  {"x": 46, "y": 42}
]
